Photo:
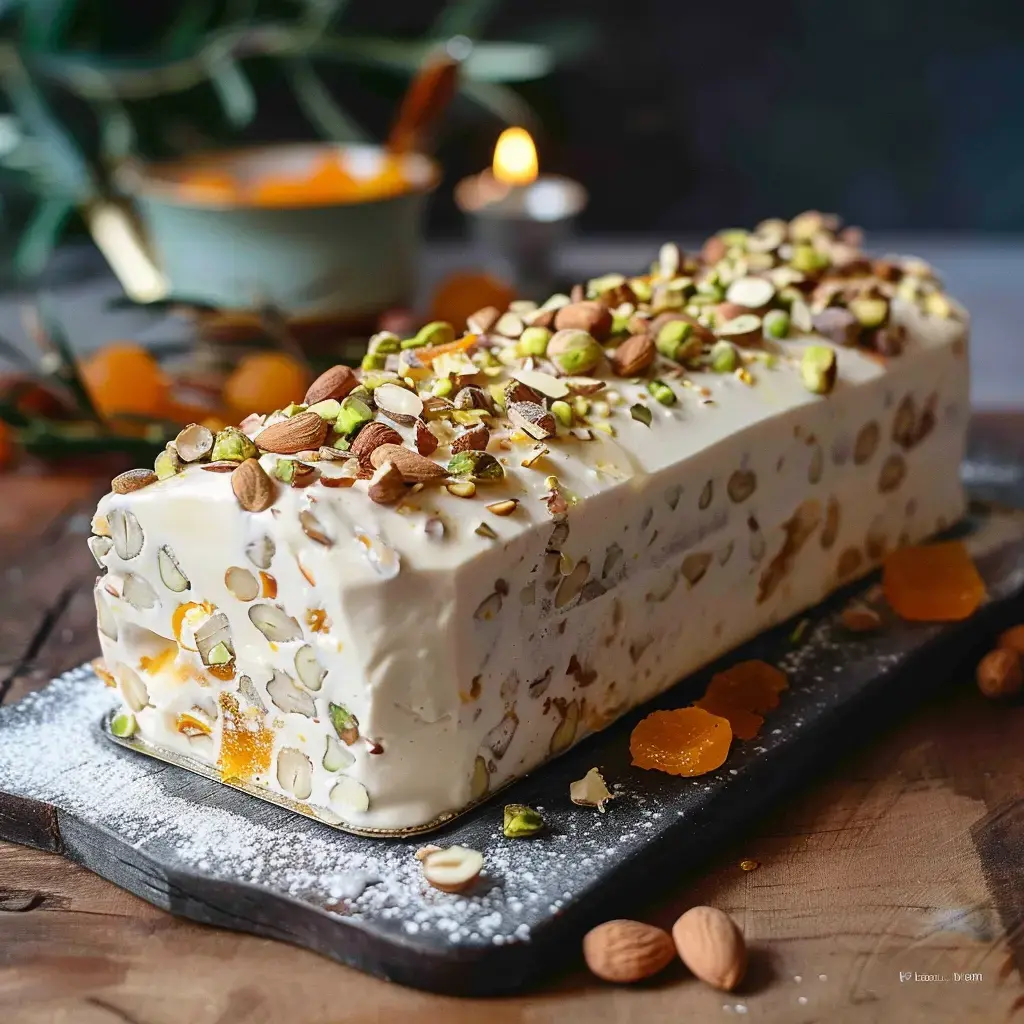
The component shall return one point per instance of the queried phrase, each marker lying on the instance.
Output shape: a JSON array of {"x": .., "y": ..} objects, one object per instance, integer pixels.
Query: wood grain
[{"x": 905, "y": 858}]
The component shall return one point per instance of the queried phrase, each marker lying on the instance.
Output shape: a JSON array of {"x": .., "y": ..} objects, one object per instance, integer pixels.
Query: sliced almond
[
  {"x": 248, "y": 690},
  {"x": 499, "y": 738},
  {"x": 170, "y": 572},
  {"x": 308, "y": 668},
  {"x": 260, "y": 552},
  {"x": 415, "y": 468},
  {"x": 313, "y": 529},
  {"x": 139, "y": 592},
  {"x": 483, "y": 320},
  {"x": 274, "y": 623},
  {"x": 241, "y": 583},
  {"x": 348, "y": 795},
  {"x": 210, "y": 635},
  {"x": 252, "y": 487},
  {"x": 398, "y": 403},
  {"x": 571, "y": 586},
  {"x": 289, "y": 697},
  {"x": 454, "y": 869},
  {"x": 751, "y": 292},
  {"x": 543, "y": 383},
  {"x": 480, "y": 782},
  {"x": 105, "y": 617},
  {"x": 565, "y": 732},
  {"x": 337, "y": 757},
  {"x": 475, "y": 439},
  {"x": 335, "y": 383},
  {"x": 509, "y": 325},
  {"x": 132, "y": 688},
  {"x": 126, "y": 533},
  {"x": 295, "y": 434},
  {"x": 532, "y": 419},
  {"x": 590, "y": 791},
  {"x": 194, "y": 442},
  {"x": 295, "y": 772},
  {"x": 133, "y": 480},
  {"x": 100, "y": 548}
]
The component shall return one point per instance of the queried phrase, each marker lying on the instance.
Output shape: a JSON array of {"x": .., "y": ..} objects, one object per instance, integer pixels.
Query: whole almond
[
  {"x": 633, "y": 356},
  {"x": 712, "y": 946},
  {"x": 132, "y": 480},
  {"x": 426, "y": 439},
  {"x": 1000, "y": 673},
  {"x": 373, "y": 435},
  {"x": 295, "y": 434},
  {"x": 253, "y": 488},
  {"x": 474, "y": 439},
  {"x": 627, "y": 951},
  {"x": 386, "y": 485},
  {"x": 593, "y": 317},
  {"x": 1013, "y": 639},
  {"x": 336, "y": 382},
  {"x": 415, "y": 468}
]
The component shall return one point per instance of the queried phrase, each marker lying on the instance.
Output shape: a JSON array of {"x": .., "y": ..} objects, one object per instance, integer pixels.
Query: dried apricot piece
[
  {"x": 686, "y": 741},
  {"x": 752, "y": 685},
  {"x": 245, "y": 742},
  {"x": 932, "y": 583},
  {"x": 463, "y": 292},
  {"x": 745, "y": 724}
]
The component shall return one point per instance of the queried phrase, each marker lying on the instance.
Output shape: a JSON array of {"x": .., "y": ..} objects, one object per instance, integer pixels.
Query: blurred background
[{"x": 676, "y": 119}]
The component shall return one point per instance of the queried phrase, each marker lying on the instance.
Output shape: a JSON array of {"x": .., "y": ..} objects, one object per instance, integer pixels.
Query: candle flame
[{"x": 515, "y": 157}]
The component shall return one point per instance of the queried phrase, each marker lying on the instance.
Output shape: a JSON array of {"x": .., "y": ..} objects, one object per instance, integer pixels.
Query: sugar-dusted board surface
[{"x": 215, "y": 855}]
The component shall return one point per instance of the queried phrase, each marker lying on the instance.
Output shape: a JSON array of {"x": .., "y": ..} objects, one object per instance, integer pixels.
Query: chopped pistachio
[
  {"x": 562, "y": 412},
  {"x": 574, "y": 351},
  {"x": 437, "y": 332},
  {"x": 328, "y": 409},
  {"x": 521, "y": 821},
  {"x": 533, "y": 341},
  {"x": 442, "y": 387},
  {"x": 640, "y": 413},
  {"x": 807, "y": 259},
  {"x": 123, "y": 724},
  {"x": 641, "y": 288},
  {"x": 870, "y": 311},
  {"x": 373, "y": 361},
  {"x": 220, "y": 654},
  {"x": 353, "y": 414},
  {"x": 673, "y": 338},
  {"x": 776, "y": 323},
  {"x": 818, "y": 369},
  {"x": 938, "y": 304},
  {"x": 385, "y": 342},
  {"x": 724, "y": 357},
  {"x": 661, "y": 392},
  {"x": 167, "y": 464},
  {"x": 477, "y": 466},
  {"x": 284, "y": 470},
  {"x": 231, "y": 445}
]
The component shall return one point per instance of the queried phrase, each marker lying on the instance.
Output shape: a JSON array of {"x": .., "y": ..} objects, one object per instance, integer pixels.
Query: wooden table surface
[{"x": 891, "y": 888}]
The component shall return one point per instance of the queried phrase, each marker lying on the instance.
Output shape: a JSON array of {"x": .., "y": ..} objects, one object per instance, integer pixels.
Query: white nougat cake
[{"x": 459, "y": 560}]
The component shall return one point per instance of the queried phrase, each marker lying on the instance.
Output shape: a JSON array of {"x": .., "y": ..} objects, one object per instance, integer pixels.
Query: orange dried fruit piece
[
  {"x": 745, "y": 724},
  {"x": 932, "y": 582},
  {"x": 752, "y": 685},
  {"x": 264, "y": 381},
  {"x": 124, "y": 379},
  {"x": 426, "y": 355},
  {"x": 245, "y": 742},
  {"x": 686, "y": 741},
  {"x": 463, "y": 292}
]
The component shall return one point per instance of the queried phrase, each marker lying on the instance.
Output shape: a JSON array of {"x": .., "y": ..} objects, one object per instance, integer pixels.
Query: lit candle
[{"x": 517, "y": 215}]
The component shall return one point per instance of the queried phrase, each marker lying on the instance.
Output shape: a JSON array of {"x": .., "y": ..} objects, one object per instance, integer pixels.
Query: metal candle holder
[{"x": 517, "y": 229}]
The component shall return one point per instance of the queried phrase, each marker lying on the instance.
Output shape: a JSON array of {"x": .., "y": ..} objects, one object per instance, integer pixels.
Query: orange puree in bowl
[{"x": 328, "y": 182}]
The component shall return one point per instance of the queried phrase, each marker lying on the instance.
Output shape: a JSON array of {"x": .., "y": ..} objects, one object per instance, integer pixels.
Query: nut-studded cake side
[{"x": 451, "y": 564}]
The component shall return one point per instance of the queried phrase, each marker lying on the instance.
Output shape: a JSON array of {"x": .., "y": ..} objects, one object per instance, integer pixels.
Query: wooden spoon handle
[{"x": 426, "y": 99}]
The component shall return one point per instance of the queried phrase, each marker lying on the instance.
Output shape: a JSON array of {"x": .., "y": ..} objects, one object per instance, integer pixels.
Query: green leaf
[
  {"x": 65, "y": 164},
  {"x": 508, "y": 62},
  {"x": 319, "y": 106},
  {"x": 43, "y": 23},
  {"x": 566, "y": 39},
  {"x": 41, "y": 234},
  {"x": 117, "y": 133},
  {"x": 506, "y": 104},
  {"x": 234, "y": 91},
  {"x": 48, "y": 334},
  {"x": 185, "y": 33},
  {"x": 463, "y": 18}
]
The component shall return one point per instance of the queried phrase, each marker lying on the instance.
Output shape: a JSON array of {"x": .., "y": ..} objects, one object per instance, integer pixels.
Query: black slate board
[{"x": 213, "y": 854}]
